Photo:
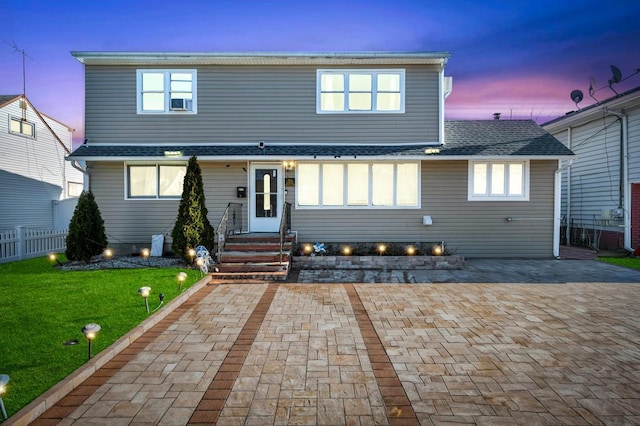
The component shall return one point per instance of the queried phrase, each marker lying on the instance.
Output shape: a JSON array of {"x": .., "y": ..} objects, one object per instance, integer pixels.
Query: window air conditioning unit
[{"x": 180, "y": 104}]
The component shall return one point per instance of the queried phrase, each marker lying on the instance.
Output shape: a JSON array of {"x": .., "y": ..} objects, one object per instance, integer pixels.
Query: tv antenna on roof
[
  {"x": 24, "y": 75},
  {"x": 592, "y": 88},
  {"x": 616, "y": 77}
]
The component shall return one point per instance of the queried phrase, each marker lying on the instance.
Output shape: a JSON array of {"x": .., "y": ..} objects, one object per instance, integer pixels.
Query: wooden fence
[{"x": 25, "y": 243}]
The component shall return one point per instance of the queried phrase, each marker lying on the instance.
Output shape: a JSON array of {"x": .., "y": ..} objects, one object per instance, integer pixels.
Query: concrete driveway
[{"x": 333, "y": 354}]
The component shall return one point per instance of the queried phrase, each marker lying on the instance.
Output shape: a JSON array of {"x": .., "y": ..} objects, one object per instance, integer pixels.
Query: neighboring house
[
  {"x": 34, "y": 175},
  {"x": 356, "y": 142},
  {"x": 601, "y": 189}
]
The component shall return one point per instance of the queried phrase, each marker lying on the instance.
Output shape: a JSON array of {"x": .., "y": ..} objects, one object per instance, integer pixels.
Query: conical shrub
[
  {"x": 86, "y": 237},
  {"x": 192, "y": 227}
]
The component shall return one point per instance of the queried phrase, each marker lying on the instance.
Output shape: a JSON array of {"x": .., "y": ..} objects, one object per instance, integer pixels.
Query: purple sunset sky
[{"x": 519, "y": 58}]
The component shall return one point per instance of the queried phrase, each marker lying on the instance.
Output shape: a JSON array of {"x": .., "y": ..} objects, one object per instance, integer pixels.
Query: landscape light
[
  {"x": 144, "y": 292},
  {"x": 145, "y": 253},
  {"x": 382, "y": 249},
  {"x": 191, "y": 253},
  {"x": 108, "y": 253},
  {"x": 54, "y": 258},
  {"x": 182, "y": 277},
  {"x": 410, "y": 250},
  {"x": 346, "y": 250},
  {"x": 90, "y": 331},
  {"x": 308, "y": 248},
  {"x": 436, "y": 250},
  {"x": 4, "y": 379}
]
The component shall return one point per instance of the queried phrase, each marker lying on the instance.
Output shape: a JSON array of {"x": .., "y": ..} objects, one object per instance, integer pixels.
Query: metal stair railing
[
  {"x": 285, "y": 226},
  {"x": 230, "y": 223}
]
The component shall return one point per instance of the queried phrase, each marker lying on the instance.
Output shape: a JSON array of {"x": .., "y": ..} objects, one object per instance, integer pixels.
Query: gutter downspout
[
  {"x": 625, "y": 197},
  {"x": 568, "y": 231},
  {"x": 556, "y": 206},
  {"x": 78, "y": 166}
]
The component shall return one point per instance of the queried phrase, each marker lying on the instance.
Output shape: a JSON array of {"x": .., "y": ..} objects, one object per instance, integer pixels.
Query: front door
[{"x": 266, "y": 187}]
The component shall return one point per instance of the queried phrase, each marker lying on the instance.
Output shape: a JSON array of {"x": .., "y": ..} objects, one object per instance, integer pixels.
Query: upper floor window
[
  {"x": 152, "y": 181},
  {"x": 22, "y": 127},
  {"x": 498, "y": 181},
  {"x": 74, "y": 189},
  {"x": 360, "y": 91},
  {"x": 167, "y": 91}
]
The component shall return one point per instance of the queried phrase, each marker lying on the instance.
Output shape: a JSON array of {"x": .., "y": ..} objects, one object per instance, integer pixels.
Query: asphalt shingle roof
[{"x": 462, "y": 138}]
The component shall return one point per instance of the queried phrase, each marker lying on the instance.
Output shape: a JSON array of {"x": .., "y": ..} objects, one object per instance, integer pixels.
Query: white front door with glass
[{"x": 266, "y": 190}]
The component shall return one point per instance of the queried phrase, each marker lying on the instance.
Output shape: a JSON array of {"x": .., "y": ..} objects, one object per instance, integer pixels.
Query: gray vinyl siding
[
  {"x": 33, "y": 171},
  {"x": 248, "y": 104},
  {"x": 471, "y": 229},
  {"x": 595, "y": 173},
  {"x": 131, "y": 223}
]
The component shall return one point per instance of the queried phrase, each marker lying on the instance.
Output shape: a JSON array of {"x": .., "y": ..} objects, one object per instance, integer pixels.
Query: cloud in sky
[{"x": 518, "y": 58}]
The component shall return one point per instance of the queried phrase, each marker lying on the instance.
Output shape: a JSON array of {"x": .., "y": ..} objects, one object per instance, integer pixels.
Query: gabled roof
[
  {"x": 464, "y": 139},
  {"x": 261, "y": 58},
  {"x": 7, "y": 99}
]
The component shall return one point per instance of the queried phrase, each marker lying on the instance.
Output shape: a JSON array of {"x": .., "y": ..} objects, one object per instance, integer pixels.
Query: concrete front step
[
  {"x": 252, "y": 267},
  {"x": 249, "y": 277}
]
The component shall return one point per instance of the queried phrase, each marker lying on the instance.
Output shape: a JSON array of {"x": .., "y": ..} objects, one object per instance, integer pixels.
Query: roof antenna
[
  {"x": 616, "y": 77},
  {"x": 577, "y": 96},
  {"x": 24, "y": 78},
  {"x": 592, "y": 88}
]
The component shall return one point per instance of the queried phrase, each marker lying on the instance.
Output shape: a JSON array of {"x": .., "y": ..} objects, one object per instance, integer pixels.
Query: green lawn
[
  {"x": 629, "y": 262},
  {"x": 42, "y": 307}
]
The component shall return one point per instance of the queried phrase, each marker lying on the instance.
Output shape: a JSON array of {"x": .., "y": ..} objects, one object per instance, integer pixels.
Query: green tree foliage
[
  {"x": 192, "y": 227},
  {"x": 86, "y": 237}
]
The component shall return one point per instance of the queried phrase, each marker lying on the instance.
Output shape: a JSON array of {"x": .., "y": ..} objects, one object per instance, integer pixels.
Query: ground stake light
[
  {"x": 90, "y": 331},
  {"x": 145, "y": 253},
  {"x": 4, "y": 379},
  {"x": 182, "y": 277},
  {"x": 54, "y": 258},
  {"x": 144, "y": 292}
]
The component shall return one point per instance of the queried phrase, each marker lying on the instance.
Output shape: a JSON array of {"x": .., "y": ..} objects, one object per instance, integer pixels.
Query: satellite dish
[
  {"x": 616, "y": 75},
  {"x": 592, "y": 88},
  {"x": 577, "y": 96}
]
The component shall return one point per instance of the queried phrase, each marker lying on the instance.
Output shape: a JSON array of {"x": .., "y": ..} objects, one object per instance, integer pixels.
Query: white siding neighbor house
[
  {"x": 601, "y": 189},
  {"x": 355, "y": 143},
  {"x": 34, "y": 175}
]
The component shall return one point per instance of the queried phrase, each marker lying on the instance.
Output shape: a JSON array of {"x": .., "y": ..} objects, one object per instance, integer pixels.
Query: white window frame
[
  {"x": 167, "y": 91},
  {"x": 345, "y": 193},
  {"x": 72, "y": 188},
  {"x": 22, "y": 124},
  {"x": 374, "y": 89},
  {"x": 157, "y": 166},
  {"x": 487, "y": 196}
]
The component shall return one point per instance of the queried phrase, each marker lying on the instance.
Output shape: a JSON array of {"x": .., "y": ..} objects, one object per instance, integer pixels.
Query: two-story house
[
  {"x": 34, "y": 175},
  {"x": 357, "y": 143}
]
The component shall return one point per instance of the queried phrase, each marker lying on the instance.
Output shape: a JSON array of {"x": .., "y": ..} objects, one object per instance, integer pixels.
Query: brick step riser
[
  {"x": 273, "y": 240},
  {"x": 255, "y": 247},
  {"x": 249, "y": 276},
  {"x": 254, "y": 259}
]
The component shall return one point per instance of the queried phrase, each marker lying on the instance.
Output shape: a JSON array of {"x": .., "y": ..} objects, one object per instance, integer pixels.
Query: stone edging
[
  {"x": 378, "y": 262},
  {"x": 48, "y": 399}
]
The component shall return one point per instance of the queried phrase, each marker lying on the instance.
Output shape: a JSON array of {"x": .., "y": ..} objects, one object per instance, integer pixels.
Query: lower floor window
[
  {"x": 345, "y": 185},
  {"x": 155, "y": 180},
  {"x": 74, "y": 189},
  {"x": 498, "y": 181}
]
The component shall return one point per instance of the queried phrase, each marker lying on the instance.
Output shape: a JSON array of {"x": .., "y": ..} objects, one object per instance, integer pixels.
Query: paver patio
[{"x": 378, "y": 354}]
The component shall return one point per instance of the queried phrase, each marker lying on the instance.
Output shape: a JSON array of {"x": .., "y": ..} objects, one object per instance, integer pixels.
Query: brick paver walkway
[{"x": 377, "y": 354}]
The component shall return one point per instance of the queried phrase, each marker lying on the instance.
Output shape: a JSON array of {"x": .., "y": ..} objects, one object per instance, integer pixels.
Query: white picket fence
[{"x": 24, "y": 243}]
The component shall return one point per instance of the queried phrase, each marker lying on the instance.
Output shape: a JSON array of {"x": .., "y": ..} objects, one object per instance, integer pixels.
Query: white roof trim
[{"x": 261, "y": 58}]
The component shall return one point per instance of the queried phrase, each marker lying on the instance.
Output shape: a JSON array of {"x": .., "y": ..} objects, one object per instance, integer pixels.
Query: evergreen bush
[
  {"x": 86, "y": 237},
  {"x": 192, "y": 227}
]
